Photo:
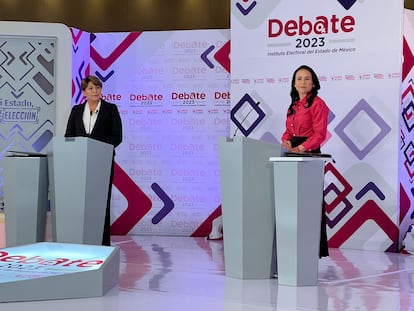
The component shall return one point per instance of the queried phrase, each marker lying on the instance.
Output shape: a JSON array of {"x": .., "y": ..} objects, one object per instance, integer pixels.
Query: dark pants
[
  {"x": 106, "y": 239},
  {"x": 323, "y": 243}
]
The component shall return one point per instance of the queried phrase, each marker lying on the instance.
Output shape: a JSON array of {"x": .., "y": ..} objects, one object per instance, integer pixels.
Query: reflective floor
[{"x": 184, "y": 273}]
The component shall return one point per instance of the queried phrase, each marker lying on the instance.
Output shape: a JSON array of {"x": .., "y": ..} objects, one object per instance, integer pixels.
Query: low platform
[{"x": 48, "y": 270}]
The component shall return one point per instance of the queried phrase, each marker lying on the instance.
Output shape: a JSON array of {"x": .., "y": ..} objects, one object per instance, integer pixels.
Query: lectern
[
  {"x": 298, "y": 184},
  {"x": 248, "y": 207},
  {"x": 79, "y": 172},
  {"x": 25, "y": 198}
]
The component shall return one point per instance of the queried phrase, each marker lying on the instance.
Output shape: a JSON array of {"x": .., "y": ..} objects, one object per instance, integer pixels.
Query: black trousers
[
  {"x": 106, "y": 238},
  {"x": 323, "y": 243}
]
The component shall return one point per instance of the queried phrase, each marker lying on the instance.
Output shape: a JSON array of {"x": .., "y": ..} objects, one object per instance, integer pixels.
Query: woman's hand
[
  {"x": 299, "y": 148},
  {"x": 287, "y": 145}
]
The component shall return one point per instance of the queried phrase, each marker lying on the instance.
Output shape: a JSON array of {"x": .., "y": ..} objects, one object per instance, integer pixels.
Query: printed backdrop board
[
  {"x": 406, "y": 167},
  {"x": 172, "y": 90},
  {"x": 35, "y": 75},
  {"x": 358, "y": 61}
]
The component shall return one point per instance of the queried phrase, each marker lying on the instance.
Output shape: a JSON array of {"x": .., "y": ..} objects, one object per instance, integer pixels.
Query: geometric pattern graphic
[
  {"x": 347, "y": 125},
  {"x": 80, "y": 62},
  {"x": 168, "y": 203},
  {"x": 338, "y": 199},
  {"x": 222, "y": 56},
  {"x": 253, "y": 106},
  {"x": 408, "y": 116},
  {"x": 408, "y": 59},
  {"x": 252, "y": 13},
  {"x": 246, "y": 9},
  {"x": 409, "y": 153},
  {"x": 138, "y": 203},
  {"x": 104, "y": 62},
  {"x": 368, "y": 211},
  {"x": 339, "y": 195},
  {"x": 406, "y": 144},
  {"x": 206, "y": 226},
  {"x": 27, "y": 94}
]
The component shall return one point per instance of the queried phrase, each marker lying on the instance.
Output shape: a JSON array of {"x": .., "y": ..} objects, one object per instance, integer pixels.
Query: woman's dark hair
[
  {"x": 95, "y": 81},
  {"x": 294, "y": 95}
]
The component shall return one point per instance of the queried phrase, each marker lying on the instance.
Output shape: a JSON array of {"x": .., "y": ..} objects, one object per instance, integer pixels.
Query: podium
[
  {"x": 79, "y": 172},
  {"x": 248, "y": 207},
  {"x": 25, "y": 198},
  {"x": 298, "y": 185}
]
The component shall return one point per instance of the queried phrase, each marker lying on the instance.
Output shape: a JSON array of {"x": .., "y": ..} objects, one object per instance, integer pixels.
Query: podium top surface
[
  {"x": 297, "y": 159},
  {"x": 302, "y": 156},
  {"x": 12, "y": 153}
]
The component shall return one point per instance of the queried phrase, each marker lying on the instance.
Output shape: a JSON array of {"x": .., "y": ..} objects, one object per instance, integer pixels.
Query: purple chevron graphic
[
  {"x": 106, "y": 77},
  {"x": 14, "y": 128},
  {"x": 205, "y": 54},
  {"x": 168, "y": 204},
  {"x": 17, "y": 95},
  {"x": 347, "y": 4},
  {"x": 78, "y": 82},
  {"x": 19, "y": 129},
  {"x": 370, "y": 187},
  {"x": 246, "y": 10}
]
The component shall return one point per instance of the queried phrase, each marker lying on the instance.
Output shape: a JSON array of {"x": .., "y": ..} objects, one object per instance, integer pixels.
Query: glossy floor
[{"x": 184, "y": 273}]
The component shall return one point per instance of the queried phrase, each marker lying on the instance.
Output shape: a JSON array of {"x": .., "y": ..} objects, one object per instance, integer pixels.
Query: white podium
[
  {"x": 25, "y": 198},
  {"x": 79, "y": 172},
  {"x": 298, "y": 184},
  {"x": 248, "y": 207}
]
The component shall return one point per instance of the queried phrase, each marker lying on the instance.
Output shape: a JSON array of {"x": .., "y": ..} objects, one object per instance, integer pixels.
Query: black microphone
[
  {"x": 244, "y": 119},
  {"x": 90, "y": 121}
]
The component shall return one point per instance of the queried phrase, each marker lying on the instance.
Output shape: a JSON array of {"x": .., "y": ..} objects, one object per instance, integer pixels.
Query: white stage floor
[{"x": 184, "y": 273}]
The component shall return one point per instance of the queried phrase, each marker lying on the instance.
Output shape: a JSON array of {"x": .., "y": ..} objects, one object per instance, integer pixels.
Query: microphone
[
  {"x": 244, "y": 119},
  {"x": 90, "y": 121}
]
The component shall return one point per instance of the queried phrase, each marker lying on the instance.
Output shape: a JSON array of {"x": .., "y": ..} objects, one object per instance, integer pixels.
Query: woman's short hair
[{"x": 95, "y": 81}]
